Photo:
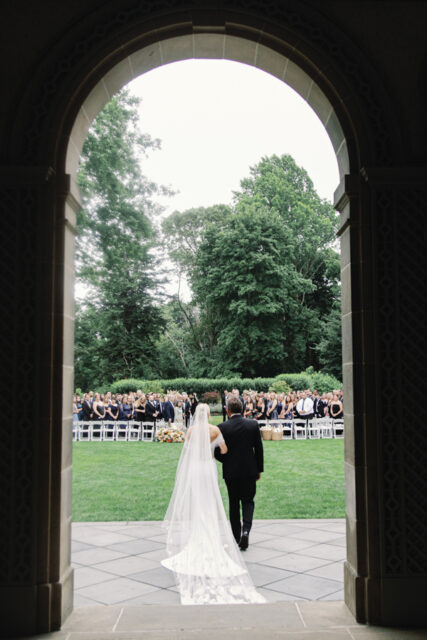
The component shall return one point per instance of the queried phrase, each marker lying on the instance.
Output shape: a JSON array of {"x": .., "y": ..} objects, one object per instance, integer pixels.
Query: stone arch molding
[{"x": 207, "y": 46}]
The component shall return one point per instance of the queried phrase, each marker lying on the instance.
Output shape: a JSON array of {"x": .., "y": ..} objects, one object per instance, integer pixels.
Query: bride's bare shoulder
[{"x": 214, "y": 431}]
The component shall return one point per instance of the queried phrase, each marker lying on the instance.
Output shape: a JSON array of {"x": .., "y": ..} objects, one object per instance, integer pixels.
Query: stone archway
[{"x": 94, "y": 58}]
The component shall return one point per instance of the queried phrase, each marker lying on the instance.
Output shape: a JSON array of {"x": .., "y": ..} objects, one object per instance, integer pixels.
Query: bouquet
[{"x": 170, "y": 433}]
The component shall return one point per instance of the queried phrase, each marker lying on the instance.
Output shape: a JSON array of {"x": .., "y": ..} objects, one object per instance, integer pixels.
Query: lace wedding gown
[{"x": 202, "y": 551}]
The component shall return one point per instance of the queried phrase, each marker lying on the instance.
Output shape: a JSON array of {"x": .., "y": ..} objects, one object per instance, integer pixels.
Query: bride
[{"x": 200, "y": 545}]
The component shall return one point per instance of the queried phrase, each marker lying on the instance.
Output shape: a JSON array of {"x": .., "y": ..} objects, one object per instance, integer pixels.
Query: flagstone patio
[{"x": 118, "y": 563}]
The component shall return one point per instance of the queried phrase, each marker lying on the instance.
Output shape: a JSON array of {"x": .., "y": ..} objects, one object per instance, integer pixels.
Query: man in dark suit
[
  {"x": 242, "y": 466},
  {"x": 168, "y": 411},
  {"x": 151, "y": 412},
  {"x": 186, "y": 409}
]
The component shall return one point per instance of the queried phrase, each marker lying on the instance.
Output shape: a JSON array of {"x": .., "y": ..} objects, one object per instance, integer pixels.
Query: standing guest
[
  {"x": 317, "y": 408},
  {"x": 261, "y": 409},
  {"x": 280, "y": 401},
  {"x": 336, "y": 408},
  {"x": 113, "y": 410},
  {"x": 305, "y": 407},
  {"x": 193, "y": 402},
  {"x": 168, "y": 411},
  {"x": 86, "y": 408},
  {"x": 272, "y": 407},
  {"x": 139, "y": 408},
  {"x": 151, "y": 412},
  {"x": 224, "y": 397},
  {"x": 98, "y": 407},
  {"x": 249, "y": 409},
  {"x": 186, "y": 409},
  {"x": 179, "y": 418},
  {"x": 76, "y": 410},
  {"x": 126, "y": 409}
]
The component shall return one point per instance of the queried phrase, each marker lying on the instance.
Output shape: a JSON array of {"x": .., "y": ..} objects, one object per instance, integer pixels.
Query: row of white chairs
[
  {"x": 132, "y": 431},
  {"x": 102, "y": 430},
  {"x": 308, "y": 429}
]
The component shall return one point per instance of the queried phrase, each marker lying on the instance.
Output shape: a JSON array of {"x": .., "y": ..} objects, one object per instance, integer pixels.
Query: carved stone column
[
  {"x": 384, "y": 319},
  {"x": 35, "y": 447}
]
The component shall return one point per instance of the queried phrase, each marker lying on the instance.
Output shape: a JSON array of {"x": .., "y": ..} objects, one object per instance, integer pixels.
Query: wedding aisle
[{"x": 118, "y": 563}]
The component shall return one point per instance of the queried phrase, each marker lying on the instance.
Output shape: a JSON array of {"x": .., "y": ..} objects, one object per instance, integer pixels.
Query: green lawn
[{"x": 134, "y": 480}]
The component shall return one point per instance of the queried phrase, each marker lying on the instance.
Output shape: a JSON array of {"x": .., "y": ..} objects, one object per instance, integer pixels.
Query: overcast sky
[{"x": 217, "y": 118}]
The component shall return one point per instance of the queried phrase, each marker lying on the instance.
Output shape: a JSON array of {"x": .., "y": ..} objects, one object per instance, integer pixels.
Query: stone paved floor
[{"x": 118, "y": 563}]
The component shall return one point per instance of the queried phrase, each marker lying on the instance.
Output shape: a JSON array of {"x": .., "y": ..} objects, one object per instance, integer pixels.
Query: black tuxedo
[{"x": 241, "y": 466}]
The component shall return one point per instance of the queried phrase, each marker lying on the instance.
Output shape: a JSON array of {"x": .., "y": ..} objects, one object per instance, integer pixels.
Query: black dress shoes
[{"x": 244, "y": 541}]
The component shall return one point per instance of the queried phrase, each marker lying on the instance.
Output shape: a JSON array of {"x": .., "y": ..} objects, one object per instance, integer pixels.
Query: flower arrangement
[{"x": 171, "y": 433}]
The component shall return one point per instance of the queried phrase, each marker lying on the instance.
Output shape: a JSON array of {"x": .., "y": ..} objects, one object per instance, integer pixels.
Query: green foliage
[
  {"x": 296, "y": 381},
  {"x": 120, "y": 321},
  {"x": 132, "y": 384},
  {"x": 264, "y": 276},
  {"x": 280, "y": 386}
]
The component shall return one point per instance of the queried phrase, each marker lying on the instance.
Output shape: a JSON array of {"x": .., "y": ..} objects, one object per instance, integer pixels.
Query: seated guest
[{"x": 168, "y": 411}]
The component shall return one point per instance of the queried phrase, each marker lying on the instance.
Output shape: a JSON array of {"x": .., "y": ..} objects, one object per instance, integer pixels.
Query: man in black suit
[
  {"x": 242, "y": 466},
  {"x": 186, "y": 409},
  {"x": 167, "y": 410}
]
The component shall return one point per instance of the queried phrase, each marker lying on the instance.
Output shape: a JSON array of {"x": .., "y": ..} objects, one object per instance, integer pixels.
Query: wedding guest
[
  {"x": 76, "y": 410},
  {"x": 336, "y": 408},
  {"x": 248, "y": 411},
  {"x": 87, "y": 413},
  {"x": 224, "y": 397},
  {"x": 305, "y": 407},
  {"x": 113, "y": 410},
  {"x": 139, "y": 407},
  {"x": 272, "y": 407},
  {"x": 186, "y": 409},
  {"x": 193, "y": 403},
  {"x": 179, "y": 418},
  {"x": 98, "y": 407},
  {"x": 168, "y": 411},
  {"x": 260, "y": 410},
  {"x": 151, "y": 412}
]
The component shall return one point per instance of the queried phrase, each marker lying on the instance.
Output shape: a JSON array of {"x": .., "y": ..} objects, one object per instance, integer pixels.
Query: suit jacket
[
  {"x": 150, "y": 410},
  {"x": 168, "y": 412},
  {"x": 86, "y": 410},
  {"x": 245, "y": 456}
]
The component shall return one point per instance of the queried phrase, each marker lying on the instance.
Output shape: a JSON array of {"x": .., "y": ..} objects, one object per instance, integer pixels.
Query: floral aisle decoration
[{"x": 170, "y": 433}]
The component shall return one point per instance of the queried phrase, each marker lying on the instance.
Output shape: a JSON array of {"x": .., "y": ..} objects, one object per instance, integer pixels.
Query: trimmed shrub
[{"x": 295, "y": 381}]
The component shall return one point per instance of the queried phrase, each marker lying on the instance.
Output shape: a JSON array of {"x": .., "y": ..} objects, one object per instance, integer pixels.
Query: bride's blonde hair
[{"x": 202, "y": 410}]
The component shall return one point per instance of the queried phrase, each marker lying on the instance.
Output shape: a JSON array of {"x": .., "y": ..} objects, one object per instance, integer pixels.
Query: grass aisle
[{"x": 133, "y": 481}]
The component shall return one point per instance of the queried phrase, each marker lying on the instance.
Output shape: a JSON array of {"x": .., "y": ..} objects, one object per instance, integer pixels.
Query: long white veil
[{"x": 201, "y": 548}]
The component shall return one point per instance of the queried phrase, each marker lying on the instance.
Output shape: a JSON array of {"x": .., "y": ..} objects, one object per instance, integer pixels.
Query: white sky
[{"x": 216, "y": 118}]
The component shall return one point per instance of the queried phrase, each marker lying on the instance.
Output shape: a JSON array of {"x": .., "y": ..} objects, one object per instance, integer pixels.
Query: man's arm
[{"x": 258, "y": 450}]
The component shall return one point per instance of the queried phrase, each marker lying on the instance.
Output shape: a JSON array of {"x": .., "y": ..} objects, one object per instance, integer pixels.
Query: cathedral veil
[{"x": 201, "y": 549}]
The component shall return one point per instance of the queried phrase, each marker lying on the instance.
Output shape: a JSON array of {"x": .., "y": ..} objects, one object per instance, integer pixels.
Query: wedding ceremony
[{"x": 212, "y": 309}]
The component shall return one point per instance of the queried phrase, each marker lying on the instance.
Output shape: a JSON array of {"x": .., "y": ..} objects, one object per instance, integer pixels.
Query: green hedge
[{"x": 296, "y": 381}]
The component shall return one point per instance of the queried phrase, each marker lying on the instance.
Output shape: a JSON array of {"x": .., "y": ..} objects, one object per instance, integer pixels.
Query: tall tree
[{"x": 114, "y": 247}]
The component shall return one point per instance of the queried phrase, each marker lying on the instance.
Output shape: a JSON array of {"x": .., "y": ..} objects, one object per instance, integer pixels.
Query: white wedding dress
[{"x": 201, "y": 548}]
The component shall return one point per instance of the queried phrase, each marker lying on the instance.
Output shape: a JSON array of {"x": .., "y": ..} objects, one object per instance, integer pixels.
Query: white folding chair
[
  {"x": 287, "y": 430},
  {"x": 108, "y": 430},
  {"x": 313, "y": 429},
  {"x": 122, "y": 429},
  {"x": 84, "y": 430},
  {"x": 300, "y": 429},
  {"x": 96, "y": 430},
  {"x": 147, "y": 431},
  {"x": 134, "y": 431},
  {"x": 325, "y": 425},
  {"x": 338, "y": 428}
]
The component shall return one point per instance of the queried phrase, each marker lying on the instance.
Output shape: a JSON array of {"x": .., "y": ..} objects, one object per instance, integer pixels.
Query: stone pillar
[
  {"x": 36, "y": 581},
  {"x": 384, "y": 319}
]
